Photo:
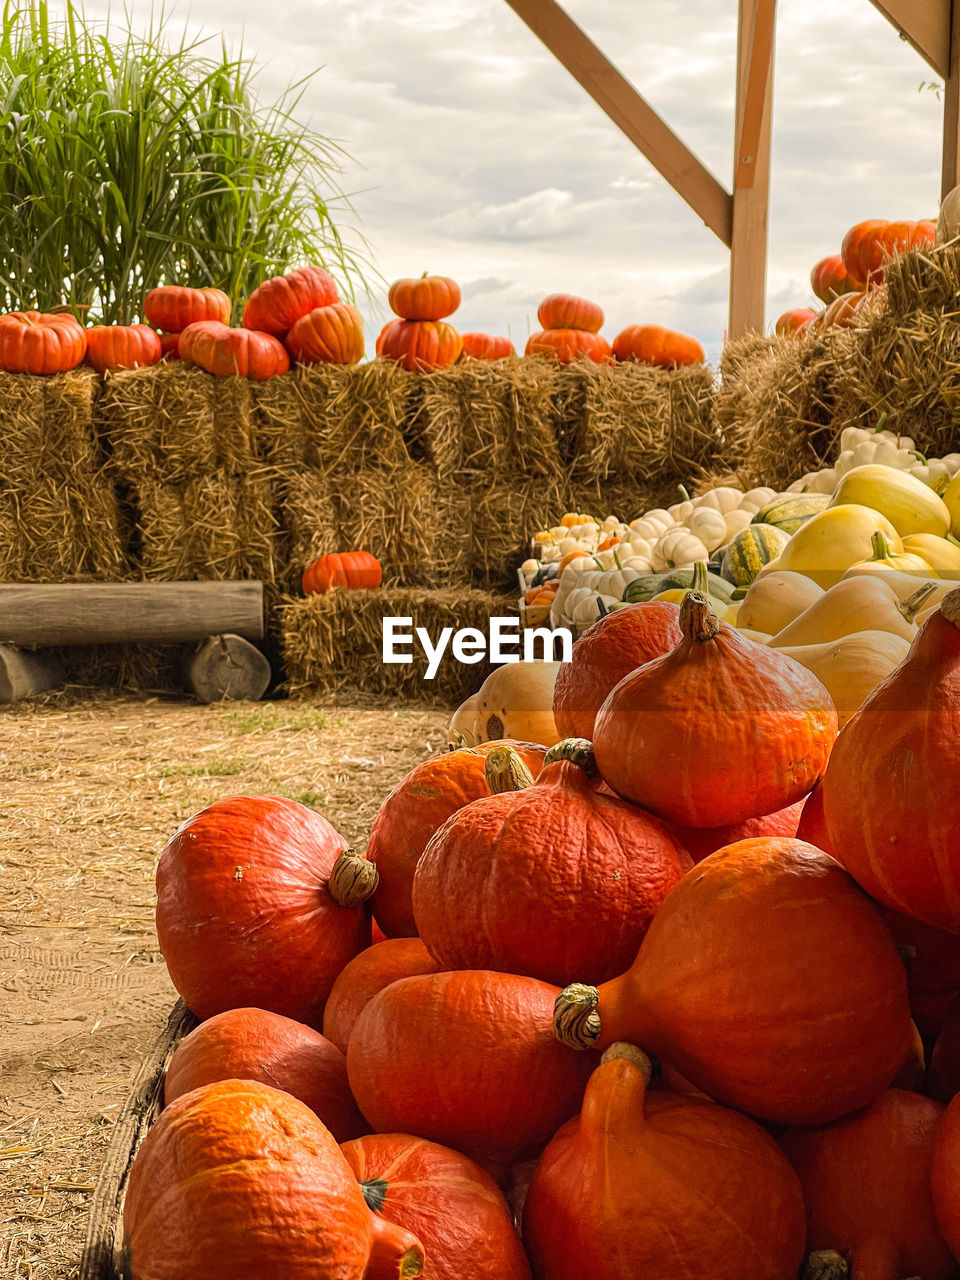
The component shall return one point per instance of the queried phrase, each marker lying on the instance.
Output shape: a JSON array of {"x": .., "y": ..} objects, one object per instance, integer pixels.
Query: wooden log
[
  {"x": 37, "y": 614},
  {"x": 226, "y": 667},
  {"x": 24, "y": 673}
]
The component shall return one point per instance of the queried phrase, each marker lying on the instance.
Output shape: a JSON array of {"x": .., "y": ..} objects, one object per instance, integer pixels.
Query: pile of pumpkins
[{"x": 632, "y": 1005}]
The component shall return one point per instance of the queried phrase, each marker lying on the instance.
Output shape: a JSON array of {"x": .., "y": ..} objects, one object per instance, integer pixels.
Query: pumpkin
[
  {"x": 700, "y": 842},
  {"x": 419, "y": 345},
  {"x": 910, "y": 505},
  {"x": 226, "y": 352},
  {"x": 710, "y": 526},
  {"x": 866, "y": 1186},
  {"x": 446, "y": 1200},
  {"x": 652, "y": 344},
  {"x": 774, "y": 600},
  {"x": 170, "y": 346},
  {"x": 424, "y": 298},
  {"x": 252, "y": 1044},
  {"x": 892, "y": 789},
  {"x": 122, "y": 346},
  {"x": 367, "y": 974},
  {"x": 750, "y": 550},
  {"x": 461, "y": 731},
  {"x": 885, "y": 558},
  {"x": 355, "y": 570},
  {"x": 945, "y": 1176},
  {"x": 516, "y": 701},
  {"x": 792, "y": 322},
  {"x": 417, "y": 807},
  {"x": 829, "y": 279},
  {"x": 943, "y": 1074},
  {"x": 327, "y": 335},
  {"x": 276, "y": 305},
  {"x": 863, "y": 252},
  {"x": 788, "y": 511},
  {"x": 714, "y": 988},
  {"x": 862, "y": 603},
  {"x": 257, "y": 907},
  {"x": 829, "y": 543},
  {"x": 644, "y": 1185},
  {"x": 35, "y": 342},
  {"x": 606, "y": 652},
  {"x": 173, "y": 306},
  {"x": 843, "y": 312},
  {"x": 852, "y": 666},
  {"x": 566, "y": 345},
  {"x": 729, "y": 729},
  {"x": 932, "y": 957},
  {"x": 677, "y": 549},
  {"x": 498, "y": 888},
  {"x": 565, "y": 311},
  {"x": 486, "y": 346},
  {"x": 419, "y": 1061},
  {"x": 237, "y": 1181}
]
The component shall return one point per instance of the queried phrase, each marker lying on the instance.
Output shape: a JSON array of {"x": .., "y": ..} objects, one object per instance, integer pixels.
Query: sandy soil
[{"x": 90, "y": 790}]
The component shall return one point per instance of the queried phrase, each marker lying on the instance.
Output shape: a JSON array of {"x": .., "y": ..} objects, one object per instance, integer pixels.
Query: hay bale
[
  {"x": 281, "y": 437},
  {"x": 505, "y": 517},
  {"x": 48, "y": 428},
  {"x": 310, "y": 519},
  {"x": 143, "y": 668},
  {"x": 924, "y": 280},
  {"x": 158, "y": 423},
  {"x": 61, "y": 531},
  {"x": 354, "y": 416},
  {"x": 335, "y": 642},
  {"x": 236, "y": 425}
]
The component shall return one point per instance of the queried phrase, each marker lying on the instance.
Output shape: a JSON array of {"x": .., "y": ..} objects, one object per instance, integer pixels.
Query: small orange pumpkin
[
  {"x": 566, "y": 311},
  {"x": 357, "y": 570},
  {"x": 228, "y": 352},
  {"x": 41, "y": 343},
  {"x": 419, "y": 345},
  {"x": 830, "y": 278},
  {"x": 172, "y": 307},
  {"x": 652, "y": 344},
  {"x": 327, "y": 335},
  {"x": 792, "y": 321},
  {"x": 424, "y": 298},
  {"x": 567, "y": 345},
  {"x": 276, "y": 305},
  {"x": 122, "y": 346},
  {"x": 486, "y": 346}
]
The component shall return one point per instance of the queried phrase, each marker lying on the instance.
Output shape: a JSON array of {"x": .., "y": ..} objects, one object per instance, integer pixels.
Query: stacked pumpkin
[
  {"x": 421, "y": 340},
  {"x": 569, "y": 330}
]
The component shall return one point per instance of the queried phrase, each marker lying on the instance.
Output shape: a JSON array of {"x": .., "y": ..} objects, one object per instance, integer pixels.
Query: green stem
[{"x": 576, "y": 751}]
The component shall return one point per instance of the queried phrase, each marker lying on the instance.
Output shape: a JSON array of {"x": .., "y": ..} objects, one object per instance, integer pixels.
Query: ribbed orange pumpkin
[
  {"x": 486, "y": 346},
  {"x": 605, "y": 653},
  {"x": 830, "y": 278},
  {"x": 446, "y": 1200},
  {"x": 239, "y": 1181},
  {"x": 700, "y": 842},
  {"x": 793, "y": 321},
  {"x": 226, "y": 352},
  {"x": 246, "y": 915},
  {"x": 276, "y": 305},
  {"x": 652, "y": 344},
  {"x": 170, "y": 346},
  {"x": 891, "y": 793},
  {"x": 843, "y": 312},
  {"x": 719, "y": 730},
  {"x": 415, "y": 808},
  {"x": 863, "y": 252},
  {"x": 122, "y": 346},
  {"x": 566, "y": 345},
  {"x": 420, "y": 1061},
  {"x": 172, "y": 307},
  {"x": 327, "y": 335},
  {"x": 252, "y": 1044},
  {"x": 866, "y": 1185},
  {"x": 553, "y": 880},
  {"x": 356, "y": 570},
  {"x": 424, "y": 298},
  {"x": 645, "y": 1186},
  {"x": 716, "y": 992},
  {"x": 567, "y": 311},
  {"x": 366, "y": 976},
  {"x": 36, "y": 342},
  {"x": 419, "y": 345}
]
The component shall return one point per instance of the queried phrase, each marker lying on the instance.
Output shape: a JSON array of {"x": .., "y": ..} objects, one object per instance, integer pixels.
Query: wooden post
[
  {"x": 24, "y": 673},
  {"x": 950, "y": 172},
  {"x": 227, "y": 667},
  {"x": 748, "y": 264}
]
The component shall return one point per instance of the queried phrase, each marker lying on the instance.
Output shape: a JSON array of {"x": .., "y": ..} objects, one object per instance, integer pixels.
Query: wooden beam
[
  {"x": 950, "y": 171},
  {"x": 630, "y": 112},
  {"x": 759, "y": 70},
  {"x": 926, "y": 25},
  {"x": 748, "y": 257}
]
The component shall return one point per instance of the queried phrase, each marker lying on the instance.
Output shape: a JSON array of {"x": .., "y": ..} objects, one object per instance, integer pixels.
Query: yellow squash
[
  {"x": 951, "y": 500},
  {"x": 864, "y": 603},
  {"x": 775, "y": 599},
  {"x": 853, "y": 666},
  {"x": 940, "y": 554},
  {"x": 910, "y": 505},
  {"x": 884, "y": 558},
  {"x": 826, "y": 545}
]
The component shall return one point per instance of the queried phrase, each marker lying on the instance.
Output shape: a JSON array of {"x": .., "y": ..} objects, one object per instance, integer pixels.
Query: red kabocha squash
[
  {"x": 467, "y": 1059},
  {"x": 252, "y": 1044},
  {"x": 258, "y": 905},
  {"x": 567, "y": 311},
  {"x": 172, "y": 307},
  {"x": 424, "y": 297},
  {"x": 35, "y": 342},
  {"x": 446, "y": 1200},
  {"x": 327, "y": 335},
  {"x": 226, "y": 352},
  {"x": 276, "y": 305},
  {"x": 355, "y": 570},
  {"x": 417, "y": 807},
  {"x": 700, "y": 842},
  {"x": 238, "y": 1181},
  {"x": 945, "y": 1176},
  {"x": 419, "y": 345},
  {"x": 863, "y": 252},
  {"x": 866, "y": 1186},
  {"x": 122, "y": 346},
  {"x": 792, "y": 322},
  {"x": 716, "y": 988},
  {"x": 567, "y": 345},
  {"x": 605, "y": 653},
  {"x": 170, "y": 346},
  {"x": 551, "y": 879},
  {"x": 644, "y": 1186},
  {"x": 943, "y": 1074},
  {"x": 486, "y": 346},
  {"x": 830, "y": 278},
  {"x": 652, "y": 344},
  {"x": 932, "y": 957},
  {"x": 812, "y": 828},
  {"x": 719, "y": 730},
  {"x": 891, "y": 792},
  {"x": 366, "y": 976}
]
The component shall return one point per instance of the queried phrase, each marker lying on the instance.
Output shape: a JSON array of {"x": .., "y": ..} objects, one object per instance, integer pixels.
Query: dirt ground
[{"x": 90, "y": 789}]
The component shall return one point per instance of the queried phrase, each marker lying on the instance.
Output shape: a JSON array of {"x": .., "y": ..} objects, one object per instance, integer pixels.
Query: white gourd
[
  {"x": 710, "y": 526},
  {"x": 678, "y": 549},
  {"x": 736, "y": 522},
  {"x": 722, "y": 499},
  {"x": 755, "y": 499}
]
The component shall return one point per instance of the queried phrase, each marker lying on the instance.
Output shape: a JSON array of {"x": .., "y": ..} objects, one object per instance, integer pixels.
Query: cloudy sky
[{"x": 475, "y": 154}]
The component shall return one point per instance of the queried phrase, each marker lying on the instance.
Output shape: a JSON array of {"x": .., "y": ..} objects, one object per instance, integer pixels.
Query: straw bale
[
  {"x": 281, "y": 435},
  {"x": 48, "y": 428},
  {"x": 354, "y": 416},
  {"x": 505, "y": 517},
  {"x": 310, "y": 519},
  {"x": 145, "y": 668},
  {"x": 159, "y": 422},
  {"x": 59, "y": 531},
  {"x": 924, "y": 280},
  {"x": 235, "y": 425},
  {"x": 627, "y": 501},
  {"x": 335, "y": 642}
]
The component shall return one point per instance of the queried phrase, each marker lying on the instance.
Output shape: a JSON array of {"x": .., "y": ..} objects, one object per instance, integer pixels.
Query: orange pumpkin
[
  {"x": 172, "y": 307},
  {"x": 792, "y": 322},
  {"x": 830, "y": 278},
  {"x": 365, "y": 976},
  {"x": 170, "y": 346},
  {"x": 843, "y": 312},
  {"x": 35, "y": 342},
  {"x": 700, "y": 842},
  {"x": 276, "y": 305},
  {"x": 945, "y": 1176},
  {"x": 122, "y": 346},
  {"x": 863, "y": 252},
  {"x": 644, "y": 1186},
  {"x": 327, "y": 335},
  {"x": 567, "y": 345},
  {"x": 943, "y": 1074},
  {"x": 419, "y": 345},
  {"x": 252, "y": 1044},
  {"x": 715, "y": 990},
  {"x": 933, "y": 969},
  {"x": 566, "y": 311},
  {"x": 652, "y": 344},
  {"x": 226, "y": 352},
  {"x": 238, "y": 1181},
  {"x": 486, "y": 346},
  {"x": 356, "y": 570},
  {"x": 424, "y": 298}
]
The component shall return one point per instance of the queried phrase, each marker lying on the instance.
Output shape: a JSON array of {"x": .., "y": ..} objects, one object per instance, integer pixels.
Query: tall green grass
[{"x": 128, "y": 160}]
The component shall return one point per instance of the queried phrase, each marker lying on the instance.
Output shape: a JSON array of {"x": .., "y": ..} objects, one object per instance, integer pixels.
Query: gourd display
[
  {"x": 424, "y": 297},
  {"x": 128, "y": 346},
  {"x": 419, "y": 345},
  {"x": 721, "y": 953},
  {"x": 355, "y": 570},
  {"x": 826, "y": 545},
  {"x": 226, "y": 352},
  {"x": 643, "y": 1185},
  {"x": 909, "y": 504},
  {"x": 486, "y": 346},
  {"x": 327, "y": 335},
  {"x": 859, "y": 603},
  {"x": 566, "y": 311},
  {"x": 275, "y": 306},
  {"x": 36, "y": 342},
  {"x": 366, "y": 975},
  {"x": 172, "y": 307},
  {"x": 516, "y": 701}
]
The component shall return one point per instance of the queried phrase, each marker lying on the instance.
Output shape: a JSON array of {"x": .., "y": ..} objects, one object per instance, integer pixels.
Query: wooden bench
[{"x": 218, "y": 621}]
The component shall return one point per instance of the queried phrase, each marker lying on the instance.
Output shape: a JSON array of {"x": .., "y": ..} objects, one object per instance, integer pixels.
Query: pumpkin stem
[
  {"x": 950, "y": 607},
  {"x": 395, "y": 1253},
  {"x": 505, "y": 771},
  {"x": 576, "y": 751},
  {"x": 825, "y": 1264},
  {"x": 697, "y": 619},
  {"x": 576, "y": 1022},
  {"x": 881, "y": 547},
  {"x": 910, "y": 607},
  {"x": 353, "y": 879},
  {"x": 624, "y": 1049}
]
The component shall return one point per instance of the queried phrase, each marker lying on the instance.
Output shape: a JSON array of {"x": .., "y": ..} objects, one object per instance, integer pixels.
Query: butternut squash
[
  {"x": 904, "y": 584},
  {"x": 826, "y": 545},
  {"x": 857, "y": 604},
  {"x": 775, "y": 599},
  {"x": 853, "y": 666},
  {"x": 909, "y": 504}
]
